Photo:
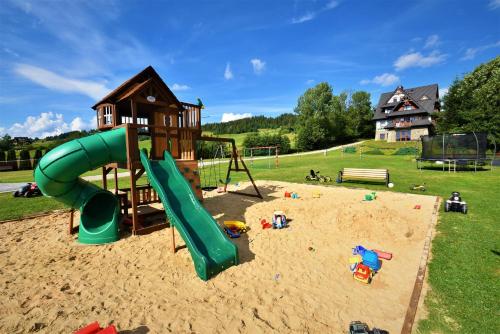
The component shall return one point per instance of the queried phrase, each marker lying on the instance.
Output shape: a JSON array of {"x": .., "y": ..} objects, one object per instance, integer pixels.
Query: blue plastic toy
[
  {"x": 359, "y": 250},
  {"x": 370, "y": 259},
  {"x": 231, "y": 234},
  {"x": 279, "y": 220}
]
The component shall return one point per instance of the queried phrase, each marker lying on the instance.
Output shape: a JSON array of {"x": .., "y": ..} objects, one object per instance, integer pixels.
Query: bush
[
  {"x": 2, "y": 156},
  {"x": 349, "y": 149},
  {"x": 11, "y": 158},
  {"x": 24, "y": 160},
  {"x": 375, "y": 151},
  {"x": 406, "y": 151}
]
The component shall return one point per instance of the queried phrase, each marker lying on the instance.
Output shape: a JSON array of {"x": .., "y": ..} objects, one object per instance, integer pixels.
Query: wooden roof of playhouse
[{"x": 140, "y": 86}]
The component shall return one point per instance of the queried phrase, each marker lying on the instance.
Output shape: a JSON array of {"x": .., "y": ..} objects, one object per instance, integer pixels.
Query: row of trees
[
  {"x": 473, "y": 102},
  {"x": 325, "y": 119},
  {"x": 286, "y": 122},
  {"x": 24, "y": 162}
]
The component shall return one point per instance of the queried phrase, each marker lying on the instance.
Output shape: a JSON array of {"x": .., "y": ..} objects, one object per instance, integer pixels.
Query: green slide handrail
[
  {"x": 210, "y": 248},
  {"x": 57, "y": 176}
]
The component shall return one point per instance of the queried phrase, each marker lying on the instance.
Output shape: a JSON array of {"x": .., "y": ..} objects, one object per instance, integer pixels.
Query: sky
[{"x": 242, "y": 58}]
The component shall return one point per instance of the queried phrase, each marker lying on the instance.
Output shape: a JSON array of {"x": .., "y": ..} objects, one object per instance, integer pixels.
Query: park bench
[{"x": 364, "y": 174}]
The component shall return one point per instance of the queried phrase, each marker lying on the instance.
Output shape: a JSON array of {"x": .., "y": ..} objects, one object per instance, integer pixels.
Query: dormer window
[
  {"x": 407, "y": 107},
  {"x": 425, "y": 97},
  {"x": 108, "y": 115}
]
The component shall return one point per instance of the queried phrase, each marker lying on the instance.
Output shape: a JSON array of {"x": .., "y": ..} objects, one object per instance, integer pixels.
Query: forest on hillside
[{"x": 287, "y": 122}]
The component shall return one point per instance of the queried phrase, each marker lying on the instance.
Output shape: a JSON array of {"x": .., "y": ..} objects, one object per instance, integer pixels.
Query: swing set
[
  {"x": 212, "y": 179},
  {"x": 268, "y": 149}
]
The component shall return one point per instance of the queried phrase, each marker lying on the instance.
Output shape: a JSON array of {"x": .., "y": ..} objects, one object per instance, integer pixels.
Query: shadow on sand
[{"x": 236, "y": 211}]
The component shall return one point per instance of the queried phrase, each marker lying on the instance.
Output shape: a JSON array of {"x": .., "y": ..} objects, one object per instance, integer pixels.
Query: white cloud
[
  {"x": 432, "y": 41},
  {"x": 416, "y": 59},
  {"x": 312, "y": 14},
  {"x": 304, "y": 18},
  {"x": 178, "y": 87},
  {"x": 228, "y": 74},
  {"x": 386, "y": 79},
  {"x": 258, "y": 65},
  {"x": 227, "y": 117},
  {"x": 310, "y": 81},
  {"x": 470, "y": 53},
  {"x": 47, "y": 124},
  {"x": 59, "y": 83},
  {"x": 443, "y": 92},
  {"x": 494, "y": 4}
]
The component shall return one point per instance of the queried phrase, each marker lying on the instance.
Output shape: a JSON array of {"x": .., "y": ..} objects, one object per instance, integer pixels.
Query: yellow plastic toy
[
  {"x": 316, "y": 194},
  {"x": 355, "y": 259},
  {"x": 236, "y": 225}
]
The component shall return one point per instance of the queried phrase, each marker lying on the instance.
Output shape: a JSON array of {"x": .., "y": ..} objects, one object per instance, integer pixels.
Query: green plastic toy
[{"x": 371, "y": 196}]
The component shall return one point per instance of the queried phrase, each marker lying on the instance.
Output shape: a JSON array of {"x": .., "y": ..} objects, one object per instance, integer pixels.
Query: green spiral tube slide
[{"x": 57, "y": 176}]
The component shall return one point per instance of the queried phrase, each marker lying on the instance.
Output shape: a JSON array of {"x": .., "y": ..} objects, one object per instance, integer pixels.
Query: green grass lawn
[{"x": 465, "y": 268}]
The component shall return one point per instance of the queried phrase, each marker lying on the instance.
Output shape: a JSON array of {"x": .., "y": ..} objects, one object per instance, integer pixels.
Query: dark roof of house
[
  {"x": 414, "y": 94},
  {"x": 137, "y": 80}
]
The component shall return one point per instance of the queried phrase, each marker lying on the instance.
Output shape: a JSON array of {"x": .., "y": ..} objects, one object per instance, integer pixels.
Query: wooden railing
[{"x": 191, "y": 116}]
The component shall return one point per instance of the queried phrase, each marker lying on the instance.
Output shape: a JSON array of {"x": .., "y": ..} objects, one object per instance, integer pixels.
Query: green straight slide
[
  {"x": 57, "y": 176},
  {"x": 210, "y": 248}
]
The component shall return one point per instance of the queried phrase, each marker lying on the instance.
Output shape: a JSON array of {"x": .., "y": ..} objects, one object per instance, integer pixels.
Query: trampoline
[{"x": 457, "y": 149}]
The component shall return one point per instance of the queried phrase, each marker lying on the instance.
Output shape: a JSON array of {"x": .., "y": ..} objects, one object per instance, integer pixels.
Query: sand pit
[{"x": 291, "y": 280}]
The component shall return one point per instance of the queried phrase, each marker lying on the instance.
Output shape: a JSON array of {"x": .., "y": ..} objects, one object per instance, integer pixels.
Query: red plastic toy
[
  {"x": 94, "y": 328},
  {"x": 363, "y": 273},
  {"x": 287, "y": 194},
  {"x": 265, "y": 224},
  {"x": 383, "y": 255}
]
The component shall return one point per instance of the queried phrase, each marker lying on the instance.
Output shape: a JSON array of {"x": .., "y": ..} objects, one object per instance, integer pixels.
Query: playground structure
[
  {"x": 142, "y": 106},
  {"x": 267, "y": 149},
  {"x": 456, "y": 149}
]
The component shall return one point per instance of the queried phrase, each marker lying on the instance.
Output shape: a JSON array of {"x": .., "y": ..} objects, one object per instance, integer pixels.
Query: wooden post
[
  {"x": 71, "y": 212},
  {"x": 173, "y": 238},
  {"x": 104, "y": 178},
  {"x": 116, "y": 181},
  {"x": 133, "y": 198}
]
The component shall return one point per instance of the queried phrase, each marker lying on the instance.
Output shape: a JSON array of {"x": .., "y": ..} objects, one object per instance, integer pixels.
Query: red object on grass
[{"x": 383, "y": 255}]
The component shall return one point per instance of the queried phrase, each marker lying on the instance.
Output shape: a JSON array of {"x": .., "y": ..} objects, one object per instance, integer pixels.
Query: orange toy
[{"x": 363, "y": 273}]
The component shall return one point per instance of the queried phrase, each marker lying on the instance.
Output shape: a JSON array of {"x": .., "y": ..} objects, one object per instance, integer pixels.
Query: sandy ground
[{"x": 291, "y": 280}]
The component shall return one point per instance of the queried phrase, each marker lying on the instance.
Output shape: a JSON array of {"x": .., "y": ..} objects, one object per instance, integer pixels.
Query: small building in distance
[{"x": 406, "y": 114}]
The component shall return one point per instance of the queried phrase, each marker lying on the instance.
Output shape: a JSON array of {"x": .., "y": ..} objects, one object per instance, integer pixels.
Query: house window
[
  {"x": 382, "y": 136},
  {"x": 407, "y": 107},
  {"x": 403, "y": 135},
  {"x": 108, "y": 115}
]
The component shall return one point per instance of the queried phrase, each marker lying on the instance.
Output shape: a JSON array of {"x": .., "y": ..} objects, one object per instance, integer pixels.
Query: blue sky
[{"x": 240, "y": 57}]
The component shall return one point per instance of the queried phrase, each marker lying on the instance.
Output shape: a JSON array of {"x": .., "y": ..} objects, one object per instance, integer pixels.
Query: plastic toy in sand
[
  {"x": 316, "y": 194},
  {"x": 295, "y": 195},
  {"x": 417, "y": 207},
  {"x": 279, "y": 220},
  {"x": 363, "y": 273},
  {"x": 94, "y": 328},
  {"x": 371, "y": 196},
  {"x": 265, "y": 224},
  {"x": 383, "y": 255},
  {"x": 370, "y": 259},
  {"x": 236, "y": 225},
  {"x": 288, "y": 194},
  {"x": 232, "y": 234}
]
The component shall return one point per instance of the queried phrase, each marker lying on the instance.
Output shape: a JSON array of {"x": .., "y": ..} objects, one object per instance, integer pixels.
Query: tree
[
  {"x": 36, "y": 158},
  {"x": 11, "y": 158},
  {"x": 314, "y": 109},
  {"x": 473, "y": 102},
  {"x": 2, "y": 158},
  {"x": 24, "y": 160},
  {"x": 6, "y": 143},
  {"x": 360, "y": 114}
]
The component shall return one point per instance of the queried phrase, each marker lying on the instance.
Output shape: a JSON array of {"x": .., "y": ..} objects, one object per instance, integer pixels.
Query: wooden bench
[{"x": 361, "y": 174}]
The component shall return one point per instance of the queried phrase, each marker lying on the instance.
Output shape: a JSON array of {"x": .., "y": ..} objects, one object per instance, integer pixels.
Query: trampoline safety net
[{"x": 464, "y": 146}]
